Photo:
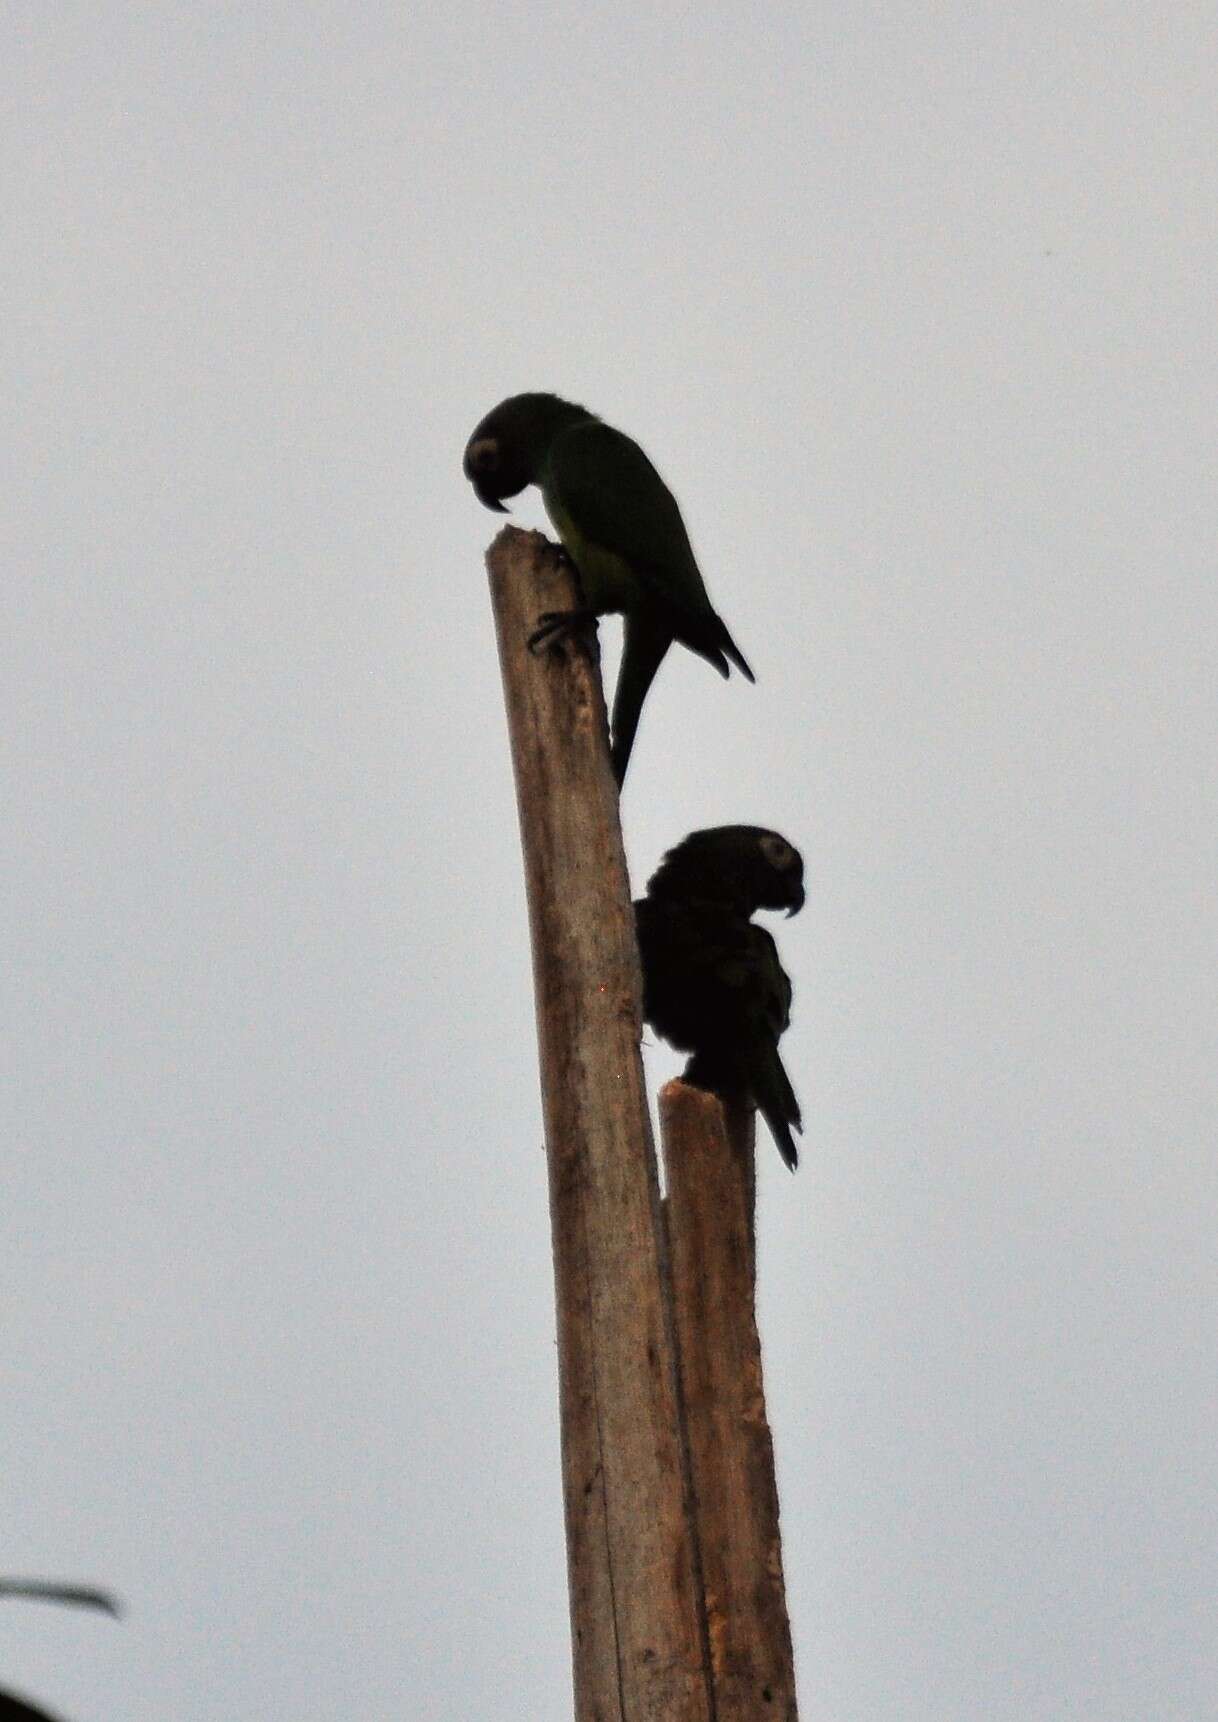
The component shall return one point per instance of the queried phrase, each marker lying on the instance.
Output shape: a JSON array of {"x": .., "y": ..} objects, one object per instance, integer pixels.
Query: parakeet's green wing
[
  {"x": 622, "y": 527},
  {"x": 604, "y": 482}
]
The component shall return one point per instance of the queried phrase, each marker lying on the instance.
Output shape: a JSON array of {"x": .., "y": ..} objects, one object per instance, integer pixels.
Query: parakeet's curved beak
[
  {"x": 487, "y": 500},
  {"x": 483, "y": 466},
  {"x": 796, "y": 899}
]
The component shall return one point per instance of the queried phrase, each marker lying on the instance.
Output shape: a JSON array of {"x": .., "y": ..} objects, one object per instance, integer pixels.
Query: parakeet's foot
[{"x": 555, "y": 626}]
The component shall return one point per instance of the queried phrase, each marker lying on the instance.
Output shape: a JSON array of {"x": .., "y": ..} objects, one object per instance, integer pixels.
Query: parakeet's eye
[
  {"x": 778, "y": 853},
  {"x": 483, "y": 455}
]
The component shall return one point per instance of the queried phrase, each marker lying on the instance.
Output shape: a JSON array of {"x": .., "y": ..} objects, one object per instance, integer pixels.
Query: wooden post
[
  {"x": 709, "y": 1172},
  {"x": 638, "y": 1638}
]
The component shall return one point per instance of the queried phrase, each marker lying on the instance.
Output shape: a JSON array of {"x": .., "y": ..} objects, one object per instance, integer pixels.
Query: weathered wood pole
[
  {"x": 710, "y": 1177},
  {"x": 638, "y": 1641}
]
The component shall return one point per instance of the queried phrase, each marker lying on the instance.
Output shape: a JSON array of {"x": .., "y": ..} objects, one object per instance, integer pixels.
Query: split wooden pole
[
  {"x": 673, "y": 1554},
  {"x": 709, "y": 1172},
  {"x": 638, "y": 1644}
]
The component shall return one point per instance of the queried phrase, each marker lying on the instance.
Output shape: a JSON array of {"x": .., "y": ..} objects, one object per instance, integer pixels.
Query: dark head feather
[
  {"x": 508, "y": 447},
  {"x": 743, "y": 867}
]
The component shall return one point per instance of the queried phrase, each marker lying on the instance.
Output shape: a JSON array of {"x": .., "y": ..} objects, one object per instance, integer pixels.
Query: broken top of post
[{"x": 710, "y": 1174}]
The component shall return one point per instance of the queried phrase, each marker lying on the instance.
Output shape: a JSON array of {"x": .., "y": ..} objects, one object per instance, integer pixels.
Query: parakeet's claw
[{"x": 555, "y": 626}]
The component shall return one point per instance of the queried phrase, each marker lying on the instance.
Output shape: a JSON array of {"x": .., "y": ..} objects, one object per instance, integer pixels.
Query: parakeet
[
  {"x": 712, "y": 982},
  {"x": 620, "y": 525}
]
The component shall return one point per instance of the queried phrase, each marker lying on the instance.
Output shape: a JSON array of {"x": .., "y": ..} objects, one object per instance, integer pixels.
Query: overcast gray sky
[{"x": 914, "y": 308}]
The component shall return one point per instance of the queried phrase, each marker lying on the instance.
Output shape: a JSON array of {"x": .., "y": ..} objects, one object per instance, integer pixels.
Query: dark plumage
[
  {"x": 712, "y": 982},
  {"x": 620, "y": 525}
]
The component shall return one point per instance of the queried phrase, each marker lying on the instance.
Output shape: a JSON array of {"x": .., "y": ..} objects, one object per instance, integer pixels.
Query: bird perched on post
[
  {"x": 712, "y": 982},
  {"x": 620, "y": 525}
]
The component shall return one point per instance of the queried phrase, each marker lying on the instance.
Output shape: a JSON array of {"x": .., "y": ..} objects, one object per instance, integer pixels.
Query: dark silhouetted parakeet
[
  {"x": 620, "y": 525},
  {"x": 712, "y": 981}
]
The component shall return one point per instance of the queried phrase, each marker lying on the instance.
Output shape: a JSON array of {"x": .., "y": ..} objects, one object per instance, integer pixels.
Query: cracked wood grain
[{"x": 639, "y": 1642}]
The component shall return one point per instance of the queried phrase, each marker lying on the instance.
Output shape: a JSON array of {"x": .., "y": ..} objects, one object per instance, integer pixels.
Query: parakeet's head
[
  {"x": 746, "y": 867},
  {"x": 507, "y": 449}
]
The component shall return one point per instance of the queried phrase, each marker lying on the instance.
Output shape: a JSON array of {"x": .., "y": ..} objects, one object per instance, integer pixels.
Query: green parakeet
[
  {"x": 712, "y": 982},
  {"x": 620, "y": 525}
]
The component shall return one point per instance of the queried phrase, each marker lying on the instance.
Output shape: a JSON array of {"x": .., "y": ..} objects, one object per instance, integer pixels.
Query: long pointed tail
[
  {"x": 755, "y": 1074},
  {"x": 704, "y": 632},
  {"x": 645, "y": 645},
  {"x": 780, "y": 1130},
  {"x": 778, "y": 1105},
  {"x": 734, "y": 653}
]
